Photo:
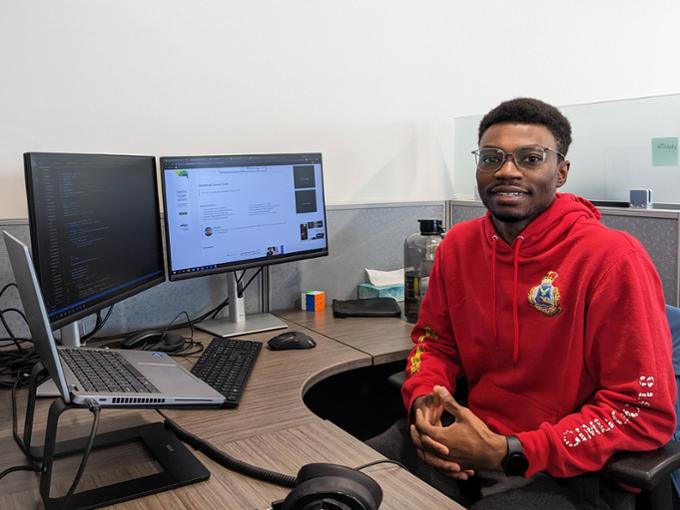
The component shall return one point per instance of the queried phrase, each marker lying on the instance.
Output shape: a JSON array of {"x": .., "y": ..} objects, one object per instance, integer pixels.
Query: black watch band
[{"x": 514, "y": 463}]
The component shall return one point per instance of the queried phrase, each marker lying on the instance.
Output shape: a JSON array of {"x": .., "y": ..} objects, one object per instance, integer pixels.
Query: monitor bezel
[
  {"x": 106, "y": 301},
  {"x": 247, "y": 264}
]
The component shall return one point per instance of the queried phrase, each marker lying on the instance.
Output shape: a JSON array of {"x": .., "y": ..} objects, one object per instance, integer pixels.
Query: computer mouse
[{"x": 291, "y": 340}]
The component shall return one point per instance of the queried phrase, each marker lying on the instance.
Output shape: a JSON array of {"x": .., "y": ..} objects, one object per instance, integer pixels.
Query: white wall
[{"x": 374, "y": 85}]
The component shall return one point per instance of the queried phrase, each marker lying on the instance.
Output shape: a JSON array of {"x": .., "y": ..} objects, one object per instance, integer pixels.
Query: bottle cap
[{"x": 431, "y": 227}]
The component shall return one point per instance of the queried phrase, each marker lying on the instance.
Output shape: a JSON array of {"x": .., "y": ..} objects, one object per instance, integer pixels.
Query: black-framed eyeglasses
[{"x": 531, "y": 157}]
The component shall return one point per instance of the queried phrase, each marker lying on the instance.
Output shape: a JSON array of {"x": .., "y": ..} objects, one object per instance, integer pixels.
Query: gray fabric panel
[
  {"x": 358, "y": 239},
  {"x": 660, "y": 238},
  {"x": 362, "y": 237}
]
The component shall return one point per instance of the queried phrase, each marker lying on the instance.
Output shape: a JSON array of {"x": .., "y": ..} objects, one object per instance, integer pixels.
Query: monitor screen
[
  {"x": 225, "y": 213},
  {"x": 95, "y": 229}
]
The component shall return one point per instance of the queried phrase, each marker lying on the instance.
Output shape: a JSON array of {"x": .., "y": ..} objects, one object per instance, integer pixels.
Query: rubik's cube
[{"x": 313, "y": 300}]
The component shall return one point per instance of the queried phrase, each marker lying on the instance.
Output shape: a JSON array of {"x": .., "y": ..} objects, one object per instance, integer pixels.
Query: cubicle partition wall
[
  {"x": 658, "y": 230},
  {"x": 360, "y": 236}
]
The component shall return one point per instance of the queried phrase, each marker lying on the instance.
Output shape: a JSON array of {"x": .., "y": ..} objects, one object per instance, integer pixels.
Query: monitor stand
[
  {"x": 70, "y": 335},
  {"x": 238, "y": 323}
]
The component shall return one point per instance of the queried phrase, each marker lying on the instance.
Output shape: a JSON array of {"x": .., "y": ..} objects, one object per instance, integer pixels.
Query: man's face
[{"x": 515, "y": 196}]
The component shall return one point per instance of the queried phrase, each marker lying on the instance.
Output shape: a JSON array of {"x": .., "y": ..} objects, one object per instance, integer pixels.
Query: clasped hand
[{"x": 460, "y": 448}]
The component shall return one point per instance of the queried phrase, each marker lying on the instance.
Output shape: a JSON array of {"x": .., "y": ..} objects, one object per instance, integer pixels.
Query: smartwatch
[{"x": 514, "y": 463}]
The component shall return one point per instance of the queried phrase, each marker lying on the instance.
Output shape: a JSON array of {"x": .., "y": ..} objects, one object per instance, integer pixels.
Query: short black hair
[{"x": 526, "y": 110}]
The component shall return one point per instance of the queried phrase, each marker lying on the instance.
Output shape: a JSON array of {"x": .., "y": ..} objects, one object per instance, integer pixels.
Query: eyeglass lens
[{"x": 527, "y": 158}]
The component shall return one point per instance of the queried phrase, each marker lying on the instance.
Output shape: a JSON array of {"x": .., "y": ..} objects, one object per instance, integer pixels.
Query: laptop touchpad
[{"x": 163, "y": 376}]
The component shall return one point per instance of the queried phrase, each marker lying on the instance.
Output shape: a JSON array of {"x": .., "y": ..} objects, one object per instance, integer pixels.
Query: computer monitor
[
  {"x": 95, "y": 232},
  {"x": 234, "y": 212}
]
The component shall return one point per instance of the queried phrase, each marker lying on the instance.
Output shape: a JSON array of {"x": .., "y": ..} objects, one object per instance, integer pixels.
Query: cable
[
  {"x": 99, "y": 324},
  {"x": 384, "y": 461},
  {"x": 241, "y": 291},
  {"x": 188, "y": 344},
  {"x": 252, "y": 278},
  {"x": 3, "y": 311},
  {"x": 15, "y": 310},
  {"x": 219, "y": 309},
  {"x": 239, "y": 279},
  {"x": 227, "y": 460},
  {"x": 14, "y": 340},
  {"x": 19, "y": 468},
  {"x": 191, "y": 348},
  {"x": 12, "y": 284},
  {"x": 191, "y": 322},
  {"x": 212, "y": 313},
  {"x": 12, "y": 336},
  {"x": 183, "y": 312},
  {"x": 5, "y": 325},
  {"x": 16, "y": 365},
  {"x": 94, "y": 408}
]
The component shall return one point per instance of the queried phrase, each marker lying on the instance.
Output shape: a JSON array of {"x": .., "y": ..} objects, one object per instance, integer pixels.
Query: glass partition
[{"x": 617, "y": 146}]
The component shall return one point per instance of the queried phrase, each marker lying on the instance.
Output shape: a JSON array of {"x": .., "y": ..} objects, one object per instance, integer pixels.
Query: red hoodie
[{"x": 562, "y": 337}]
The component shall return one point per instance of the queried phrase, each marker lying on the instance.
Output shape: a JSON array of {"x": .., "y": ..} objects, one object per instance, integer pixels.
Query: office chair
[{"x": 657, "y": 473}]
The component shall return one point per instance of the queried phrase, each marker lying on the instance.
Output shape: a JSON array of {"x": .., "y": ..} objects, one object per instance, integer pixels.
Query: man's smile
[{"x": 508, "y": 195}]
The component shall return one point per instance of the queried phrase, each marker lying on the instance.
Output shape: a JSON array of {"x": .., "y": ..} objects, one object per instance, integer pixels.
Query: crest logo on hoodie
[
  {"x": 545, "y": 297},
  {"x": 416, "y": 359}
]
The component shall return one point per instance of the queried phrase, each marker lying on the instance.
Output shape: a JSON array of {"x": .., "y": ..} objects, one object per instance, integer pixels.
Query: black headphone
[
  {"x": 331, "y": 487},
  {"x": 170, "y": 342},
  {"x": 154, "y": 341}
]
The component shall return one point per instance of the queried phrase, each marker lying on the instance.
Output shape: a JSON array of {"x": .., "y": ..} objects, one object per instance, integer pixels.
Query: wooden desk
[
  {"x": 384, "y": 339},
  {"x": 271, "y": 428}
]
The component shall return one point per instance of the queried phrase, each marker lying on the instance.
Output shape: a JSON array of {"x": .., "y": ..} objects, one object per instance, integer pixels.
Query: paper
[
  {"x": 385, "y": 278},
  {"x": 665, "y": 151}
]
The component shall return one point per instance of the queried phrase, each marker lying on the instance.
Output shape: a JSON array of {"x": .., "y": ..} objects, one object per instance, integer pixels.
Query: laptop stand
[{"x": 179, "y": 466}]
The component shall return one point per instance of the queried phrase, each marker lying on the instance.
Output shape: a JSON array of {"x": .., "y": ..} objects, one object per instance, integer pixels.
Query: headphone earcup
[
  {"x": 171, "y": 342},
  {"x": 346, "y": 494},
  {"x": 337, "y": 487}
]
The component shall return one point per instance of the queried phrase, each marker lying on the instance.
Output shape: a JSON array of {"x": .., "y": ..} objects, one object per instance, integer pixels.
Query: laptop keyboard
[
  {"x": 105, "y": 371},
  {"x": 226, "y": 364}
]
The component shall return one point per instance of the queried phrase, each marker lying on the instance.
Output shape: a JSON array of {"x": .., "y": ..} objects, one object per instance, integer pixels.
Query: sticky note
[{"x": 665, "y": 151}]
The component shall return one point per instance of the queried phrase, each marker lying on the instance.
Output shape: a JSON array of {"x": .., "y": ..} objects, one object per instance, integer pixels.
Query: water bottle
[{"x": 419, "y": 251}]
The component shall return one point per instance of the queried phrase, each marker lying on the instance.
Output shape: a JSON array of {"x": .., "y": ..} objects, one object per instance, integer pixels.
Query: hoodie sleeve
[
  {"x": 434, "y": 358},
  {"x": 628, "y": 356}
]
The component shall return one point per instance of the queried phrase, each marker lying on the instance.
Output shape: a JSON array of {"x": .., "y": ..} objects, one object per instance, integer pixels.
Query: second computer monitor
[{"x": 226, "y": 213}]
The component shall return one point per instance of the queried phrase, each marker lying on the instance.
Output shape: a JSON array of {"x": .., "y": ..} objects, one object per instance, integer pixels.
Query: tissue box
[
  {"x": 367, "y": 290},
  {"x": 313, "y": 300}
]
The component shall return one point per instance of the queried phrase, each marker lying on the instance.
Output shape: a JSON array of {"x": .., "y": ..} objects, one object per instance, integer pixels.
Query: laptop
[{"x": 112, "y": 377}]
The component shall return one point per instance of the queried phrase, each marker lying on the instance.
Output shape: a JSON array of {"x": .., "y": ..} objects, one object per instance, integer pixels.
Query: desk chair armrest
[
  {"x": 644, "y": 470},
  {"x": 396, "y": 380}
]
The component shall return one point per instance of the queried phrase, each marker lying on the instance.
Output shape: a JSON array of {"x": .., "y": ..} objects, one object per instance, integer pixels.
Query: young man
[{"x": 556, "y": 322}]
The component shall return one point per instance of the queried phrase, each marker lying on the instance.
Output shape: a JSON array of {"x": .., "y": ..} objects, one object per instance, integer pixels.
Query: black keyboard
[
  {"x": 226, "y": 364},
  {"x": 105, "y": 371}
]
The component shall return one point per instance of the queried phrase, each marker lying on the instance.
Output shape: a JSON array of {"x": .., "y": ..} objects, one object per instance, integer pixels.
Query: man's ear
[{"x": 562, "y": 172}]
